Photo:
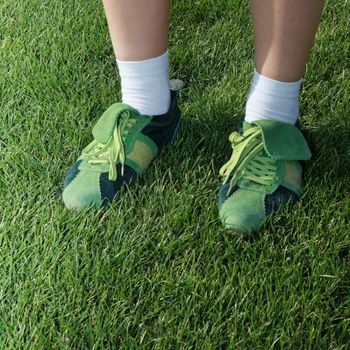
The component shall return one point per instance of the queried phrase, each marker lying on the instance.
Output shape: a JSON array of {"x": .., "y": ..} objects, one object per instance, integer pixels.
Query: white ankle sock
[
  {"x": 145, "y": 84},
  {"x": 272, "y": 99}
]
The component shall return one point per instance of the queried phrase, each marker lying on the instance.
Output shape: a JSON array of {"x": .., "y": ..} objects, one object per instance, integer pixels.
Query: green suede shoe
[
  {"x": 124, "y": 145},
  {"x": 263, "y": 173}
]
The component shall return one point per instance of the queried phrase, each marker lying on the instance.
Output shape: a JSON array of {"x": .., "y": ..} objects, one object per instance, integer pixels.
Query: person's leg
[
  {"x": 264, "y": 172},
  {"x": 284, "y": 32},
  {"x": 129, "y": 135},
  {"x": 139, "y": 33},
  {"x": 138, "y": 28}
]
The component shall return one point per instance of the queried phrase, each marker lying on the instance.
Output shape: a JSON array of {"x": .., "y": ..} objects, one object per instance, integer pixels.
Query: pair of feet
[{"x": 262, "y": 175}]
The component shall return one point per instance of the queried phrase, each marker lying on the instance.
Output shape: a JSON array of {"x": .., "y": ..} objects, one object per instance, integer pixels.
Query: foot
[
  {"x": 124, "y": 145},
  {"x": 263, "y": 173}
]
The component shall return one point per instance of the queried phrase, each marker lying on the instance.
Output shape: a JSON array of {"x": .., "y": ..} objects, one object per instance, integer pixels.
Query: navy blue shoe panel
[
  {"x": 109, "y": 189},
  {"x": 279, "y": 198},
  {"x": 72, "y": 173}
]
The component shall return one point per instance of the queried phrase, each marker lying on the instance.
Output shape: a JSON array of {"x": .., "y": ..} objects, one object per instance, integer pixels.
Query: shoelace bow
[
  {"x": 249, "y": 160},
  {"x": 112, "y": 152}
]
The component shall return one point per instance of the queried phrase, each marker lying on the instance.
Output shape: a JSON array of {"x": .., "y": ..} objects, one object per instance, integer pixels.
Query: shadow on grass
[{"x": 330, "y": 146}]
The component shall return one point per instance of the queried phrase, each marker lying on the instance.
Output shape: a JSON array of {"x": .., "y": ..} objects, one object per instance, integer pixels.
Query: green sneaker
[
  {"x": 124, "y": 145},
  {"x": 263, "y": 173}
]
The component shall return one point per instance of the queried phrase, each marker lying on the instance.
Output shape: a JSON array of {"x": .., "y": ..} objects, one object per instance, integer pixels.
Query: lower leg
[
  {"x": 139, "y": 33},
  {"x": 284, "y": 32},
  {"x": 138, "y": 28}
]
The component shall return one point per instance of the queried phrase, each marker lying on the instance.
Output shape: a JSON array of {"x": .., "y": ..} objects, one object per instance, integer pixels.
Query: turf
[{"x": 157, "y": 271}]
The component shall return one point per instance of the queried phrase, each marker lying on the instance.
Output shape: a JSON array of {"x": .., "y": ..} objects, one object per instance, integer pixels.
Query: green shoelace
[
  {"x": 112, "y": 152},
  {"x": 249, "y": 160}
]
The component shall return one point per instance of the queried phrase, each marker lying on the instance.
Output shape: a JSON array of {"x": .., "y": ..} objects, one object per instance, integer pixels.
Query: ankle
[
  {"x": 145, "y": 84},
  {"x": 272, "y": 99}
]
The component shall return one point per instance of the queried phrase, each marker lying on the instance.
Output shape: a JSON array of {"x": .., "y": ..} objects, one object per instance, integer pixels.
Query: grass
[{"x": 157, "y": 271}]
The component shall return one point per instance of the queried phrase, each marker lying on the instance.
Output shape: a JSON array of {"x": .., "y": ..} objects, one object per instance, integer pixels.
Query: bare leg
[
  {"x": 284, "y": 32},
  {"x": 138, "y": 28}
]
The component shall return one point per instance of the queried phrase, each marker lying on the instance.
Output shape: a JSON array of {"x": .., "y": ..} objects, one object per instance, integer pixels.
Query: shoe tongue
[
  {"x": 104, "y": 128},
  {"x": 283, "y": 141},
  {"x": 246, "y": 126}
]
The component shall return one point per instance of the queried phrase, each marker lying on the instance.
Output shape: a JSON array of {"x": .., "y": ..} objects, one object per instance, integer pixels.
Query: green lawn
[{"x": 157, "y": 271}]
